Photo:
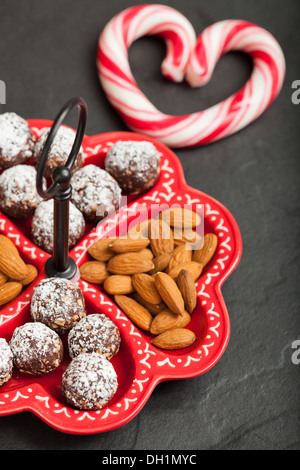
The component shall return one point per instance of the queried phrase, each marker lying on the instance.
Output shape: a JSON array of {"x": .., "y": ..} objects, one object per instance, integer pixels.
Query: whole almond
[
  {"x": 182, "y": 236},
  {"x": 3, "y": 279},
  {"x": 181, "y": 217},
  {"x": 94, "y": 272},
  {"x": 169, "y": 293},
  {"x": 194, "y": 268},
  {"x": 129, "y": 263},
  {"x": 167, "y": 320},
  {"x": 144, "y": 284},
  {"x": 160, "y": 263},
  {"x": 154, "y": 309},
  {"x": 11, "y": 264},
  {"x": 205, "y": 254},
  {"x": 9, "y": 291},
  {"x": 138, "y": 314},
  {"x": 31, "y": 275},
  {"x": 117, "y": 285},
  {"x": 161, "y": 237},
  {"x": 8, "y": 245},
  {"x": 139, "y": 230},
  {"x": 188, "y": 290},
  {"x": 181, "y": 255},
  {"x": 124, "y": 245},
  {"x": 100, "y": 250},
  {"x": 146, "y": 253},
  {"x": 176, "y": 338}
]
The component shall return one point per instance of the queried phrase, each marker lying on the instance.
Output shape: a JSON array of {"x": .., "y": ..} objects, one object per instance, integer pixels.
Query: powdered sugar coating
[
  {"x": 18, "y": 193},
  {"x": 36, "y": 349},
  {"x": 95, "y": 192},
  {"x": 94, "y": 333},
  {"x": 58, "y": 303},
  {"x": 6, "y": 362},
  {"x": 42, "y": 225},
  {"x": 89, "y": 382},
  {"x": 59, "y": 150},
  {"x": 135, "y": 165},
  {"x": 16, "y": 140}
]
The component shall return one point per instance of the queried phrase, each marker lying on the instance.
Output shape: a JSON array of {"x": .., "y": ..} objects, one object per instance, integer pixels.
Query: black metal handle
[
  {"x": 60, "y": 175},
  {"x": 60, "y": 264}
]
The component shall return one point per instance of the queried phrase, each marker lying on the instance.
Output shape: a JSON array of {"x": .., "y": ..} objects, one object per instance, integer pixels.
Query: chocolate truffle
[
  {"x": 18, "y": 194},
  {"x": 59, "y": 150},
  {"x": 58, "y": 303},
  {"x": 89, "y": 382},
  {"x": 37, "y": 350},
  {"x": 94, "y": 333},
  {"x": 42, "y": 225},
  {"x": 95, "y": 193},
  {"x": 16, "y": 140},
  {"x": 135, "y": 165},
  {"x": 6, "y": 362}
]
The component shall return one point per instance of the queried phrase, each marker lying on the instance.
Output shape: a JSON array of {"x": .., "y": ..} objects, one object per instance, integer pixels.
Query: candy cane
[{"x": 193, "y": 59}]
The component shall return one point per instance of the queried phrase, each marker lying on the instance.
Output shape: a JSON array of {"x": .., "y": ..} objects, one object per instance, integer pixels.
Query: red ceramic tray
[{"x": 139, "y": 365}]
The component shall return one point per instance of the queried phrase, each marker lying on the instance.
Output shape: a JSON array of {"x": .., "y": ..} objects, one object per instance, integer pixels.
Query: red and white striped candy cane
[{"x": 193, "y": 59}]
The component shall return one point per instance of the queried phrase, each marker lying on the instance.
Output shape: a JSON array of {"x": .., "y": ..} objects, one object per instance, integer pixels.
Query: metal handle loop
[{"x": 65, "y": 111}]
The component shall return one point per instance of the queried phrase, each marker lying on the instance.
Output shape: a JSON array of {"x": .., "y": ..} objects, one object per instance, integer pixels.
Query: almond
[
  {"x": 94, "y": 272},
  {"x": 144, "y": 284},
  {"x": 8, "y": 245},
  {"x": 161, "y": 237},
  {"x": 187, "y": 288},
  {"x": 169, "y": 292},
  {"x": 186, "y": 235},
  {"x": 167, "y": 320},
  {"x": 181, "y": 255},
  {"x": 11, "y": 264},
  {"x": 3, "y": 279},
  {"x": 146, "y": 253},
  {"x": 117, "y": 284},
  {"x": 31, "y": 275},
  {"x": 138, "y": 314},
  {"x": 140, "y": 230},
  {"x": 194, "y": 268},
  {"x": 100, "y": 250},
  {"x": 205, "y": 254},
  {"x": 176, "y": 338},
  {"x": 161, "y": 262},
  {"x": 124, "y": 245},
  {"x": 9, "y": 291},
  {"x": 181, "y": 217},
  {"x": 130, "y": 263},
  {"x": 155, "y": 309}
]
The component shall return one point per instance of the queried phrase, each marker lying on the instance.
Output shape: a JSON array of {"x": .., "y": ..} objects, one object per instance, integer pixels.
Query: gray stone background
[{"x": 250, "y": 399}]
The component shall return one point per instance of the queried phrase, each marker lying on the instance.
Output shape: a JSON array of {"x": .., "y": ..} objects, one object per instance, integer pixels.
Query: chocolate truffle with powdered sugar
[
  {"x": 95, "y": 193},
  {"x": 58, "y": 303},
  {"x": 135, "y": 165},
  {"x": 6, "y": 362},
  {"x": 94, "y": 333},
  {"x": 59, "y": 151},
  {"x": 18, "y": 193},
  {"x": 37, "y": 350},
  {"x": 42, "y": 225},
  {"x": 16, "y": 140},
  {"x": 89, "y": 382}
]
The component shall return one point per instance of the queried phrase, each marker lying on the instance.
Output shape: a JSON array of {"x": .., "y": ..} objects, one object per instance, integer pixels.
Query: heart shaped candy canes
[{"x": 193, "y": 59}]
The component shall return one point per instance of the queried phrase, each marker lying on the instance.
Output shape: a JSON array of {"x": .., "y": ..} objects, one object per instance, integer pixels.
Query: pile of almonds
[
  {"x": 14, "y": 273},
  {"x": 151, "y": 272}
]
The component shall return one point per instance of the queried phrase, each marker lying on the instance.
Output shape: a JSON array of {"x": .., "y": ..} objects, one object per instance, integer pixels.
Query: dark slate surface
[{"x": 250, "y": 399}]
